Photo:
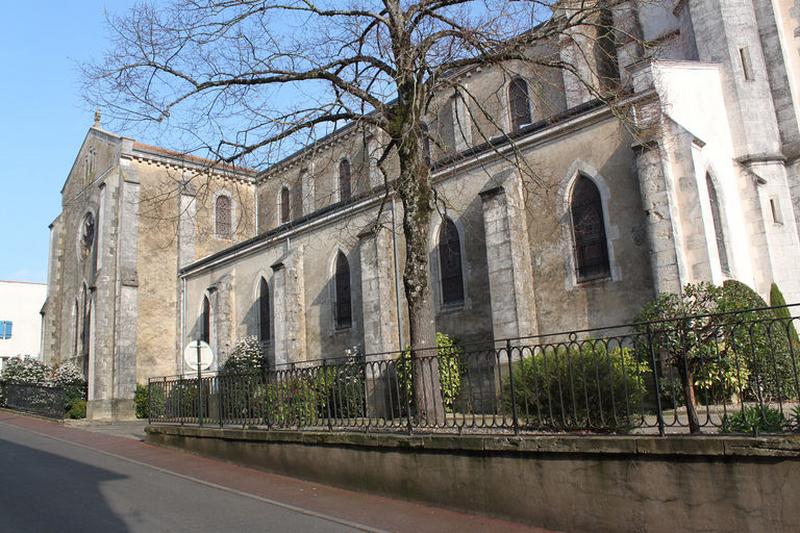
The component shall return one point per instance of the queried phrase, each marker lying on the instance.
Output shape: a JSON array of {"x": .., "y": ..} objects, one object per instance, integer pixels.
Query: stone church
[{"x": 555, "y": 215}]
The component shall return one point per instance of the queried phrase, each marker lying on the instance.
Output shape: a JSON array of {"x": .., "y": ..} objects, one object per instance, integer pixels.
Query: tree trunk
[
  {"x": 687, "y": 379},
  {"x": 415, "y": 193}
]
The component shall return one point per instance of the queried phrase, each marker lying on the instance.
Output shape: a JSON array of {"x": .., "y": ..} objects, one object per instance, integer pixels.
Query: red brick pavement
[{"x": 370, "y": 510}]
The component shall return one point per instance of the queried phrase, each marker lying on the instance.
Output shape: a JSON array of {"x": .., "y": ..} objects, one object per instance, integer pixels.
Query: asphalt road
[{"x": 54, "y": 485}]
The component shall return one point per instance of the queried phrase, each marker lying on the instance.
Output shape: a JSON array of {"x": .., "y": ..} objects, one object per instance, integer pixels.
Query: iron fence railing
[
  {"x": 739, "y": 372},
  {"x": 37, "y": 399}
]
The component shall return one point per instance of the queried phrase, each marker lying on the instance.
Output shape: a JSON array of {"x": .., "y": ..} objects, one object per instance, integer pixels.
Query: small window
[
  {"x": 5, "y": 329},
  {"x": 519, "y": 103},
  {"x": 343, "y": 307},
  {"x": 719, "y": 230},
  {"x": 747, "y": 65},
  {"x": 264, "y": 311},
  {"x": 344, "y": 180},
  {"x": 452, "y": 276},
  {"x": 223, "y": 217},
  {"x": 775, "y": 207},
  {"x": 205, "y": 321},
  {"x": 589, "y": 231},
  {"x": 285, "y": 214}
]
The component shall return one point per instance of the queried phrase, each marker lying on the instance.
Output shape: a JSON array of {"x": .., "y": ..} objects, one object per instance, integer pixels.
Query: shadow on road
[{"x": 40, "y": 491}]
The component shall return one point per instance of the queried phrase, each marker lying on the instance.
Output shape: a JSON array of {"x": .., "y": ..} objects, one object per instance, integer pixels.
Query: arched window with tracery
[
  {"x": 344, "y": 180},
  {"x": 223, "y": 216},
  {"x": 205, "y": 321},
  {"x": 264, "y": 312},
  {"x": 719, "y": 229},
  {"x": 343, "y": 310},
  {"x": 452, "y": 276},
  {"x": 519, "y": 103},
  {"x": 285, "y": 208},
  {"x": 589, "y": 231}
]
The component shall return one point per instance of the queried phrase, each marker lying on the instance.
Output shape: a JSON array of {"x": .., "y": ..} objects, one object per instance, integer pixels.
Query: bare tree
[{"x": 260, "y": 78}]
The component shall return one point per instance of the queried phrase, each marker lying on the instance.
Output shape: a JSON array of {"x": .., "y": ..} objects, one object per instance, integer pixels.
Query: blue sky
[{"x": 42, "y": 118}]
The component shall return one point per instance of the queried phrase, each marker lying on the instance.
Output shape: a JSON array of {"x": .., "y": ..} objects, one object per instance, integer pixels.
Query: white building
[{"x": 20, "y": 323}]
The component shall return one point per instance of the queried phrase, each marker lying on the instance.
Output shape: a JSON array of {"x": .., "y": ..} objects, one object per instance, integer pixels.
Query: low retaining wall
[{"x": 589, "y": 483}]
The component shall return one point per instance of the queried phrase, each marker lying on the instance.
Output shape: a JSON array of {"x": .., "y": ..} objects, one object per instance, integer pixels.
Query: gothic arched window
[
  {"x": 285, "y": 214},
  {"x": 264, "y": 311},
  {"x": 719, "y": 231},
  {"x": 452, "y": 276},
  {"x": 205, "y": 321},
  {"x": 344, "y": 180},
  {"x": 519, "y": 103},
  {"x": 223, "y": 216},
  {"x": 343, "y": 306},
  {"x": 589, "y": 231}
]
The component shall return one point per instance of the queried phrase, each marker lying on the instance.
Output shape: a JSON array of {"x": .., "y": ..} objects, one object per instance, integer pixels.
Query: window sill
[
  {"x": 589, "y": 282},
  {"x": 446, "y": 309}
]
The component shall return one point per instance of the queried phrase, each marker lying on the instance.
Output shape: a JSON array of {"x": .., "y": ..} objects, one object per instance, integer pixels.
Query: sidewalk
[
  {"x": 131, "y": 430},
  {"x": 373, "y": 511}
]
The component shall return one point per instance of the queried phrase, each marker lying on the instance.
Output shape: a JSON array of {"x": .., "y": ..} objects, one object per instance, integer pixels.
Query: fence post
[
  {"x": 411, "y": 389},
  {"x": 199, "y": 387},
  {"x": 220, "y": 407},
  {"x": 180, "y": 398},
  {"x": 149, "y": 399},
  {"x": 656, "y": 385},
  {"x": 328, "y": 394},
  {"x": 514, "y": 418}
]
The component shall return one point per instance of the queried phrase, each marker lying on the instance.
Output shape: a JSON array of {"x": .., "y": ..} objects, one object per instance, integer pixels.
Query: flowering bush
[
  {"x": 246, "y": 357},
  {"x": 30, "y": 371},
  {"x": 70, "y": 378}
]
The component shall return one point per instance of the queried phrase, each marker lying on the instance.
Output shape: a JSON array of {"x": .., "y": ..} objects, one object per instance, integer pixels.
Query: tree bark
[
  {"x": 687, "y": 379},
  {"x": 416, "y": 195}
]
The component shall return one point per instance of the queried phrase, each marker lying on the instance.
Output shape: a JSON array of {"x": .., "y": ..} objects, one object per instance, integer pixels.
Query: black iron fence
[
  {"x": 37, "y": 399},
  {"x": 732, "y": 372}
]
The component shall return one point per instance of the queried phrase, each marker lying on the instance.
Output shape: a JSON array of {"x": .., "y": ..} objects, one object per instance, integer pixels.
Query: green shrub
[
  {"x": 140, "y": 401},
  {"x": 796, "y": 416},
  {"x": 182, "y": 399},
  {"x": 584, "y": 386},
  {"x": 449, "y": 356},
  {"x": 149, "y": 406},
  {"x": 729, "y": 348},
  {"x": 342, "y": 388},
  {"x": 291, "y": 397},
  {"x": 77, "y": 410},
  {"x": 755, "y": 419},
  {"x": 783, "y": 314},
  {"x": 292, "y": 402}
]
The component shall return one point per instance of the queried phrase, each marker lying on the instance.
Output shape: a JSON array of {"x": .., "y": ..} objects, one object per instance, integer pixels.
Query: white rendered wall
[
  {"x": 20, "y": 303},
  {"x": 693, "y": 98}
]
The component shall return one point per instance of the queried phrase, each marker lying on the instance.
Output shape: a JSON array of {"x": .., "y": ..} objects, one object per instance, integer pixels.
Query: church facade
[{"x": 555, "y": 214}]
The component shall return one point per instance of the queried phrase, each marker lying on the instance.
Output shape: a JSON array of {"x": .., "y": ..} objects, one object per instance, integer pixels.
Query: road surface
[{"x": 61, "y": 479}]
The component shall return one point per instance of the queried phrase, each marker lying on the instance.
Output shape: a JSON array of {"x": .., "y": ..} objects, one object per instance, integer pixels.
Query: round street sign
[{"x": 206, "y": 355}]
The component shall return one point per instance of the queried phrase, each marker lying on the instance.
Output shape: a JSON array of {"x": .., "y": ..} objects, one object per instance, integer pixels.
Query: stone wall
[{"x": 709, "y": 484}]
